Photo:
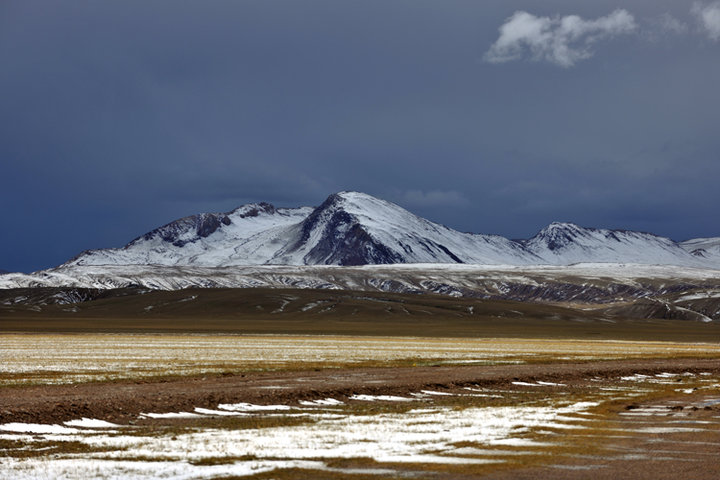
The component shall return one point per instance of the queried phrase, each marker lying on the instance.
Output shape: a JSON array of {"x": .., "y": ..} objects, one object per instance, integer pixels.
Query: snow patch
[
  {"x": 90, "y": 423},
  {"x": 249, "y": 407},
  {"x": 223, "y": 413},
  {"x": 171, "y": 415},
  {"x": 38, "y": 428},
  {"x": 320, "y": 403},
  {"x": 380, "y": 398}
]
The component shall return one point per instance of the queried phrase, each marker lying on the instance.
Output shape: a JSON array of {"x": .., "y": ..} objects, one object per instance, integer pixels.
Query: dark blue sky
[{"x": 117, "y": 117}]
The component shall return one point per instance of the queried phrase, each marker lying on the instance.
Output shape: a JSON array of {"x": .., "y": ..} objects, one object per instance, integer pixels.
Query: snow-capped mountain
[
  {"x": 567, "y": 243},
  {"x": 349, "y": 228},
  {"x": 352, "y": 228}
]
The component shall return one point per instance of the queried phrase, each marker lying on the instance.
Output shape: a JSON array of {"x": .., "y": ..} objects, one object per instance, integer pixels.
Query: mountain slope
[
  {"x": 244, "y": 236},
  {"x": 349, "y": 228},
  {"x": 707, "y": 249},
  {"x": 566, "y": 243},
  {"x": 352, "y": 228},
  {"x": 645, "y": 291}
]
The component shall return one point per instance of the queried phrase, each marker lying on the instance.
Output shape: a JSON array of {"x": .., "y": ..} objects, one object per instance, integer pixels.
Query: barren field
[
  {"x": 289, "y": 406},
  {"x": 349, "y": 313}
]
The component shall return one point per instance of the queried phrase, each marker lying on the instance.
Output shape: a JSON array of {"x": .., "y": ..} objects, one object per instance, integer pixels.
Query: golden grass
[{"x": 74, "y": 358}]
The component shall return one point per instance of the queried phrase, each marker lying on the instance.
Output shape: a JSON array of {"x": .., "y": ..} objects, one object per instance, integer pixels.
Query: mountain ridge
[{"x": 353, "y": 228}]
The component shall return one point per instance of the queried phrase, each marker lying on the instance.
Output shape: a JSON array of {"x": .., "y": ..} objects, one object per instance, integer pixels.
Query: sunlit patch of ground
[{"x": 72, "y": 358}]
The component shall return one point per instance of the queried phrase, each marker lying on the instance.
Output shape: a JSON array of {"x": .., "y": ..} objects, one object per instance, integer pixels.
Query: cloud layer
[
  {"x": 560, "y": 40},
  {"x": 709, "y": 17}
]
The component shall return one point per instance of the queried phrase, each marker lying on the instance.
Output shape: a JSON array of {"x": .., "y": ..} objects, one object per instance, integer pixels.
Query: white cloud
[
  {"x": 670, "y": 24},
  {"x": 559, "y": 40},
  {"x": 709, "y": 17},
  {"x": 663, "y": 26},
  {"x": 433, "y": 198}
]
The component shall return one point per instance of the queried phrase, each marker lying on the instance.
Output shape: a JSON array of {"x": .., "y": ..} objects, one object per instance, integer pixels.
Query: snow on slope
[
  {"x": 247, "y": 235},
  {"x": 566, "y": 243},
  {"x": 352, "y": 228},
  {"x": 581, "y": 281},
  {"x": 707, "y": 249},
  {"x": 349, "y": 228}
]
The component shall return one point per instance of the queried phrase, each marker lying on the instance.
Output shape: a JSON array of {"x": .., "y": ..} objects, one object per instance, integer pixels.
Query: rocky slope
[{"x": 638, "y": 291}]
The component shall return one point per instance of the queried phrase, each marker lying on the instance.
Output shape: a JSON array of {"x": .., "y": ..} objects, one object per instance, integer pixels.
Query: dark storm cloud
[{"x": 117, "y": 117}]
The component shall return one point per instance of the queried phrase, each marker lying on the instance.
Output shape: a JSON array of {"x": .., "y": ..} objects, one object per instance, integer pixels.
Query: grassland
[{"x": 71, "y": 358}]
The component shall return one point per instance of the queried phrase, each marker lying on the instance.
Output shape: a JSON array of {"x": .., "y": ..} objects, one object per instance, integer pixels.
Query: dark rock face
[
  {"x": 203, "y": 225},
  {"x": 314, "y": 219},
  {"x": 333, "y": 239},
  {"x": 354, "y": 247},
  {"x": 558, "y": 241},
  {"x": 343, "y": 241},
  {"x": 261, "y": 207},
  {"x": 208, "y": 224}
]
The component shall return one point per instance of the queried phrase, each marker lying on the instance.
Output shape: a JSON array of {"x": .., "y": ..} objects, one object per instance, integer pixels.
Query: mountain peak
[
  {"x": 556, "y": 236},
  {"x": 353, "y": 199},
  {"x": 563, "y": 226},
  {"x": 352, "y": 195},
  {"x": 333, "y": 233}
]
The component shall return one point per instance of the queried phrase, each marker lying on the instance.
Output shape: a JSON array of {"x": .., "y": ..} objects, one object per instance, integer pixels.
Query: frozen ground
[
  {"x": 456, "y": 432},
  {"x": 417, "y": 436},
  {"x": 557, "y": 418},
  {"x": 399, "y": 277}
]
